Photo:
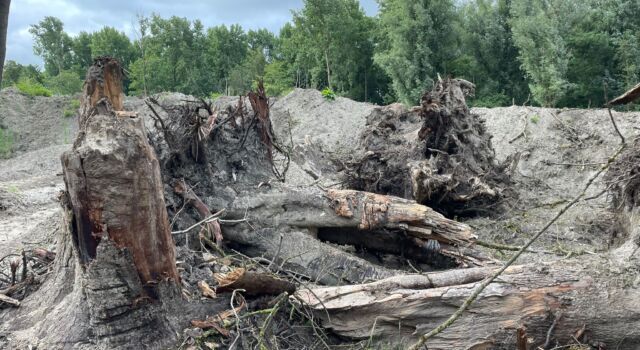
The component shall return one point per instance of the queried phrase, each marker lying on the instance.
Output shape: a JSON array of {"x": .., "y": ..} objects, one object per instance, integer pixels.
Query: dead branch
[{"x": 253, "y": 283}]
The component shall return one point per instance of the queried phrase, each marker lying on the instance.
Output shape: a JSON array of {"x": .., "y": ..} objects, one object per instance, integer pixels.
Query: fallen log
[
  {"x": 524, "y": 303},
  {"x": 301, "y": 215}
]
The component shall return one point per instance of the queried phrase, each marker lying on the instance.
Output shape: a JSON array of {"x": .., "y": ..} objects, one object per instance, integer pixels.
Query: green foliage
[
  {"x": 215, "y": 95},
  {"x": 491, "y": 100},
  {"x": 328, "y": 94},
  {"x": 277, "y": 80},
  {"x": 558, "y": 52},
  {"x": 6, "y": 143},
  {"x": 52, "y": 44},
  {"x": 14, "y": 71},
  {"x": 32, "y": 88},
  {"x": 173, "y": 57},
  {"x": 538, "y": 32},
  {"x": 71, "y": 109},
  {"x": 331, "y": 44},
  {"x": 490, "y": 58},
  {"x": 226, "y": 50},
  {"x": 65, "y": 83},
  {"x": 110, "y": 42},
  {"x": 418, "y": 42},
  {"x": 535, "y": 119}
]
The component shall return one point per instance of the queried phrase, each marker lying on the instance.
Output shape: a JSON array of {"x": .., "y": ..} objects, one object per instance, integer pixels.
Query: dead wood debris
[
  {"x": 33, "y": 264},
  {"x": 438, "y": 154}
]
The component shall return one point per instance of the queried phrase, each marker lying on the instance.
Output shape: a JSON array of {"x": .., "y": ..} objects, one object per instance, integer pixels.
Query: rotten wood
[
  {"x": 526, "y": 298},
  {"x": 628, "y": 97},
  {"x": 260, "y": 105},
  {"x": 212, "y": 227},
  {"x": 370, "y": 211},
  {"x": 253, "y": 283},
  {"x": 113, "y": 179}
]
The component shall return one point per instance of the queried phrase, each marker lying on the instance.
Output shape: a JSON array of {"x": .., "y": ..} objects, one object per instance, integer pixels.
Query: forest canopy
[{"x": 560, "y": 53}]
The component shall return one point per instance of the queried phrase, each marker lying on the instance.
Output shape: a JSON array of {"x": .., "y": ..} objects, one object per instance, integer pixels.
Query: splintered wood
[{"x": 375, "y": 211}]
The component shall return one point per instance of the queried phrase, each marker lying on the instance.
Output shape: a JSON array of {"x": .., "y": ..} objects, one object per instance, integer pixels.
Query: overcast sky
[{"x": 91, "y": 15}]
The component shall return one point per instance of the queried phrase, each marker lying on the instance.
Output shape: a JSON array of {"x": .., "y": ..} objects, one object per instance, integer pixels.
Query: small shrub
[
  {"x": 65, "y": 83},
  {"x": 535, "y": 119},
  {"x": 328, "y": 94},
  {"x": 32, "y": 88},
  {"x": 214, "y": 96}
]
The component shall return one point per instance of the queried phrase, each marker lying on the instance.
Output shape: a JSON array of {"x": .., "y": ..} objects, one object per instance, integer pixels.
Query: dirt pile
[{"x": 31, "y": 123}]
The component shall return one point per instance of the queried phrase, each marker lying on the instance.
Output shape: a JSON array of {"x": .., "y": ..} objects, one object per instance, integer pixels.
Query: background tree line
[{"x": 545, "y": 52}]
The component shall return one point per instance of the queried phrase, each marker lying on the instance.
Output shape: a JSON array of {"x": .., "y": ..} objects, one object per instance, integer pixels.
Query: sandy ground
[{"x": 558, "y": 151}]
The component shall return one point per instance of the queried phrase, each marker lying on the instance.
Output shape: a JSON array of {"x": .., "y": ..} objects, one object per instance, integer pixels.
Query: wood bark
[
  {"x": 289, "y": 221},
  {"x": 4, "y": 24},
  {"x": 113, "y": 181},
  {"x": 523, "y": 305},
  {"x": 118, "y": 227}
]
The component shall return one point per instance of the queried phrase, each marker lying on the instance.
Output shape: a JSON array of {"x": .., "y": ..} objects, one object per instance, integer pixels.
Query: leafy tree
[
  {"x": 52, "y": 44},
  {"x": 82, "y": 56},
  {"x": 111, "y": 42},
  {"x": 264, "y": 41},
  {"x": 14, "y": 72},
  {"x": 11, "y": 74},
  {"x": 418, "y": 43},
  {"x": 539, "y": 33},
  {"x": 226, "y": 48},
  {"x": 277, "y": 79},
  {"x": 488, "y": 56},
  {"x": 331, "y": 44},
  {"x": 173, "y": 59}
]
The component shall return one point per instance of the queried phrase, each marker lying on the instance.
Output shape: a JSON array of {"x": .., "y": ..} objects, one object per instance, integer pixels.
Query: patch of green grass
[
  {"x": 13, "y": 189},
  {"x": 328, "y": 94},
  {"x": 6, "y": 143},
  {"x": 535, "y": 119},
  {"x": 214, "y": 96},
  {"x": 32, "y": 88}
]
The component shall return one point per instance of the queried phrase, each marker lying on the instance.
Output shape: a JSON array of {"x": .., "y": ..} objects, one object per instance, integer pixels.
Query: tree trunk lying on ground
[{"x": 524, "y": 303}]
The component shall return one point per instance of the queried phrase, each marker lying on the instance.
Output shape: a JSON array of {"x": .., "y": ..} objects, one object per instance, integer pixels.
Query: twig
[
  {"x": 9, "y": 300},
  {"x": 547, "y": 342},
  {"x": 24, "y": 266},
  {"x": 274, "y": 310},
  {"x": 498, "y": 246},
  {"x": 210, "y": 218},
  {"x": 233, "y": 295},
  {"x": 615, "y": 126},
  {"x": 423, "y": 338}
]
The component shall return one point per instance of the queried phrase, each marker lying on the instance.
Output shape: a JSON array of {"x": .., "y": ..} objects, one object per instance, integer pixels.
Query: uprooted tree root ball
[{"x": 438, "y": 154}]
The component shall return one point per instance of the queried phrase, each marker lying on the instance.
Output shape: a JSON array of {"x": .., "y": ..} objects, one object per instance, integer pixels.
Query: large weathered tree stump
[{"x": 119, "y": 224}]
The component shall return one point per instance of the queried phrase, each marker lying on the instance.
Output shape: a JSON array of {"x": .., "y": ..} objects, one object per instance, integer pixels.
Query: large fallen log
[
  {"x": 299, "y": 215},
  {"x": 581, "y": 300}
]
